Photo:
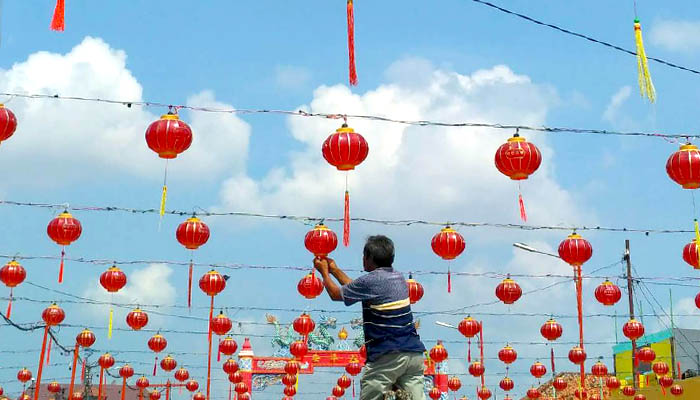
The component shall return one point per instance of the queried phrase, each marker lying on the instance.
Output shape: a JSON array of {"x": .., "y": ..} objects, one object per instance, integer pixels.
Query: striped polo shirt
[{"x": 386, "y": 312}]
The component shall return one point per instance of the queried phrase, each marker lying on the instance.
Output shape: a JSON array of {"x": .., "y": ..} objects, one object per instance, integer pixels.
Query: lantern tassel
[
  {"x": 523, "y": 214},
  {"x": 218, "y": 353},
  {"x": 346, "y": 220},
  {"x": 189, "y": 288},
  {"x": 697, "y": 239},
  {"x": 123, "y": 388},
  {"x": 82, "y": 372},
  {"x": 99, "y": 389},
  {"x": 229, "y": 391},
  {"x": 60, "y": 269},
  {"x": 353, "y": 388},
  {"x": 646, "y": 86},
  {"x": 164, "y": 195},
  {"x": 48, "y": 353},
  {"x": 155, "y": 366},
  {"x": 58, "y": 22},
  {"x": 449, "y": 279},
  {"x": 552, "y": 358},
  {"x": 41, "y": 363},
  {"x": 351, "y": 44},
  {"x": 9, "y": 306},
  {"x": 469, "y": 350},
  {"x": 72, "y": 371},
  {"x": 109, "y": 328}
]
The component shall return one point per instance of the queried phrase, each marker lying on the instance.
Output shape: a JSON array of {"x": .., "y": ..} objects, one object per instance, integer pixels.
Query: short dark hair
[{"x": 380, "y": 250}]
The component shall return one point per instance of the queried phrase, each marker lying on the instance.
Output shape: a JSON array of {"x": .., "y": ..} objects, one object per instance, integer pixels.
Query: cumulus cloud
[
  {"x": 612, "y": 111},
  {"x": 292, "y": 76},
  {"x": 676, "y": 35},
  {"x": 64, "y": 140}
]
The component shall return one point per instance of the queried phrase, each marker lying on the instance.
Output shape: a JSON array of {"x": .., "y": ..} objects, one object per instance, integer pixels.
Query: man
[{"x": 394, "y": 349}]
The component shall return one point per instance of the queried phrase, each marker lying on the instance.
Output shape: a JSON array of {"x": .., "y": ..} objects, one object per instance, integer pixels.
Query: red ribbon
[
  {"x": 9, "y": 306},
  {"x": 351, "y": 44},
  {"x": 189, "y": 288},
  {"x": 211, "y": 317},
  {"x": 523, "y": 214},
  {"x": 41, "y": 363},
  {"x": 72, "y": 371},
  {"x": 63, "y": 255},
  {"x": 155, "y": 366},
  {"x": 123, "y": 388},
  {"x": 48, "y": 353},
  {"x": 58, "y": 21}
]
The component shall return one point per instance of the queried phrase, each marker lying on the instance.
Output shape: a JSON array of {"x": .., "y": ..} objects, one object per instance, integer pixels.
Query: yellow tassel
[
  {"x": 646, "y": 86},
  {"x": 697, "y": 239},
  {"x": 111, "y": 317},
  {"x": 296, "y": 385},
  {"x": 162, "y": 200}
]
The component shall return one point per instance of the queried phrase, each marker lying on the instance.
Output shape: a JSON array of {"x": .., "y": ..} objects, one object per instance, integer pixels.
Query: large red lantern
[
  {"x": 12, "y": 274},
  {"x": 112, "y": 280},
  {"x": 577, "y": 355},
  {"x": 559, "y": 383},
  {"x": 677, "y": 390},
  {"x": 415, "y": 290},
  {"x": 338, "y": 391},
  {"x": 320, "y": 241},
  {"x": 106, "y": 361},
  {"x": 646, "y": 355},
  {"x": 310, "y": 286},
  {"x": 142, "y": 382},
  {"x": 599, "y": 370},
  {"x": 607, "y": 293},
  {"x": 235, "y": 377},
  {"x": 230, "y": 366},
  {"x": 628, "y": 391},
  {"x": 612, "y": 383},
  {"x": 434, "y": 393},
  {"x": 551, "y": 330},
  {"x": 289, "y": 380},
  {"x": 633, "y": 329},
  {"x": 438, "y": 353},
  {"x": 126, "y": 371},
  {"x": 345, "y": 149},
  {"x": 192, "y": 385},
  {"x": 136, "y": 319},
  {"x": 533, "y": 393},
  {"x": 292, "y": 367},
  {"x": 298, "y": 349},
  {"x": 508, "y": 291},
  {"x": 168, "y": 363},
  {"x": 469, "y": 327},
  {"x": 52, "y": 316},
  {"x": 157, "y": 343},
  {"x": 24, "y": 375},
  {"x": 660, "y": 368},
  {"x": 683, "y": 166},
  {"x": 192, "y": 234},
  {"x": 228, "y": 346},
  {"x": 290, "y": 391},
  {"x": 518, "y": 159},
  {"x": 64, "y": 230},
  {"x": 538, "y": 370},
  {"x": 665, "y": 381},
  {"x": 454, "y": 384},
  {"x": 448, "y": 244},
  {"x": 575, "y": 250},
  {"x": 507, "y": 355},
  {"x": 304, "y": 325},
  {"x": 476, "y": 369},
  {"x": 182, "y": 374},
  {"x": 484, "y": 393},
  {"x": 690, "y": 254},
  {"x": 506, "y": 384},
  {"x": 241, "y": 387},
  {"x": 221, "y": 324},
  {"x": 8, "y": 123}
]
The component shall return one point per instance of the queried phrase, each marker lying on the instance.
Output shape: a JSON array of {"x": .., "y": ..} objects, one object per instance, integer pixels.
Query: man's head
[{"x": 378, "y": 253}]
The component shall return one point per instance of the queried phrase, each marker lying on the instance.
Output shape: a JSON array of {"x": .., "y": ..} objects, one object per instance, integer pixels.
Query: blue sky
[{"x": 459, "y": 61}]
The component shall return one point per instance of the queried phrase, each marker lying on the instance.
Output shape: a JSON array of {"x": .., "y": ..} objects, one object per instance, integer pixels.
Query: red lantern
[
  {"x": 298, "y": 349},
  {"x": 157, "y": 343},
  {"x": 338, "y": 391},
  {"x": 235, "y": 377},
  {"x": 241, "y": 387},
  {"x": 507, "y": 355},
  {"x": 24, "y": 375},
  {"x": 136, "y": 319},
  {"x": 559, "y": 383},
  {"x": 690, "y": 254},
  {"x": 665, "y": 381},
  {"x": 580, "y": 394},
  {"x": 290, "y": 391},
  {"x": 85, "y": 338},
  {"x": 640, "y": 396},
  {"x": 168, "y": 363},
  {"x": 201, "y": 396},
  {"x": 221, "y": 324},
  {"x": 551, "y": 330},
  {"x": 126, "y": 371},
  {"x": 677, "y": 390},
  {"x": 506, "y": 384},
  {"x": 469, "y": 327},
  {"x": 599, "y": 370},
  {"x": 628, "y": 391},
  {"x": 244, "y": 396},
  {"x": 434, "y": 393},
  {"x": 353, "y": 367},
  {"x": 612, "y": 383},
  {"x": 448, "y": 244},
  {"x": 192, "y": 385},
  {"x": 154, "y": 395},
  {"x": 212, "y": 283},
  {"x": 577, "y": 355},
  {"x": 533, "y": 393},
  {"x": 169, "y": 136},
  {"x": 646, "y": 355},
  {"x": 292, "y": 367},
  {"x": 8, "y": 123},
  {"x": 607, "y": 293},
  {"x": 683, "y": 166},
  {"x": 508, "y": 291},
  {"x": 344, "y": 381},
  {"x": 192, "y": 234},
  {"x": 454, "y": 383},
  {"x": 304, "y": 325},
  {"x": 113, "y": 279},
  {"x": 53, "y": 315},
  {"x": 12, "y": 274},
  {"x": 310, "y": 286},
  {"x": 518, "y": 159},
  {"x": 320, "y": 241},
  {"x": 76, "y": 396},
  {"x": 54, "y": 387},
  {"x": 438, "y": 353},
  {"x": 1, "y": 391},
  {"x": 363, "y": 352},
  {"x": 228, "y": 346},
  {"x": 64, "y": 230},
  {"x": 106, "y": 361},
  {"x": 575, "y": 250},
  {"x": 538, "y": 370},
  {"x": 660, "y": 368},
  {"x": 230, "y": 366},
  {"x": 476, "y": 369},
  {"x": 415, "y": 290},
  {"x": 289, "y": 380},
  {"x": 484, "y": 393},
  {"x": 633, "y": 329},
  {"x": 142, "y": 382}
]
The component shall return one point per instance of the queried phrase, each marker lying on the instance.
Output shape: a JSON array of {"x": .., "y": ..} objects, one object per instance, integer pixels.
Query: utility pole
[{"x": 630, "y": 290}]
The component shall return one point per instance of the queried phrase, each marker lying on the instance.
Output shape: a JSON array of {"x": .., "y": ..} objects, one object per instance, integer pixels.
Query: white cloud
[
  {"x": 72, "y": 140},
  {"x": 292, "y": 76},
  {"x": 612, "y": 111},
  {"x": 676, "y": 35}
]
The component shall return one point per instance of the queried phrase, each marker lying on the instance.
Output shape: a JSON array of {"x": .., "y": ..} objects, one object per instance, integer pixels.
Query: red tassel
[
  {"x": 678, "y": 370},
  {"x": 218, "y": 354},
  {"x": 82, "y": 372},
  {"x": 48, "y": 352},
  {"x": 60, "y": 270},
  {"x": 9, "y": 306},
  {"x": 353, "y": 388},
  {"x": 346, "y": 220},
  {"x": 552, "y": 357},
  {"x": 229, "y": 391},
  {"x": 469, "y": 351},
  {"x": 189, "y": 288},
  {"x": 58, "y": 21},
  {"x": 155, "y": 366},
  {"x": 351, "y": 44},
  {"x": 449, "y": 280},
  {"x": 523, "y": 214}
]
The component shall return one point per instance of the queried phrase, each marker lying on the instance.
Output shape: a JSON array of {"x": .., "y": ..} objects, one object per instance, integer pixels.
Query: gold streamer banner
[
  {"x": 111, "y": 318},
  {"x": 162, "y": 200},
  {"x": 646, "y": 86}
]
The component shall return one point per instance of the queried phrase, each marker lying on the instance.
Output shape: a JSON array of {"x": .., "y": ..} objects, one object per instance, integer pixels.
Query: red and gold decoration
[
  {"x": 8, "y": 123},
  {"x": 438, "y": 353},
  {"x": 106, "y": 361},
  {"x": 646, "y": 86},
  {"x": 415, "y": 289},
  {"x": 212, "y": 283},
  {"x": 677, "y": 390},
  {"x": 168, "y": 137},
  {"x": 435, "y": 393},
  {"x": 646, "y": 355},
  {"x": 12, "y": 275},
  {"x": 551, "y": 330},
  {"x": 640, "y": 396},
  {"x": 533, "y": 393},
  {"x": 24, "y": 375},
  {"x": 484, "y": 393},
  {"x": 227, "y": 347},
  {"x": 599, "y": 370},
  {"x": 577, "y": 355},
  {"x": 633, "y": 329},
  {"x": 476, "y": 369},
  {"x": 192, "y": 385},
  {"x": 298, "y": 349},
  {"x": 304, "y": 325},
  {"x": 125, "y": 373},
  {"x": 612, "y": 383},
  {"x": 320, "y": 241},
  {"x": 221, "y": 324},
  {"x": 353, "y": 369},
  {"x": 506, "y": 384},
  {"x": 351, "y": 43},
  {"x": 660, "y": 368},
  {"x": 691, "y": 255},
  {"x": 84, "y": 339},
  {"x": 469, "y": 327},
  {"x": 168, "y": 363},
  {"x": 507, "y": 355},
  {"x": 157, "y": 343},
  {"x": 628, "y": 391},
  {"x": 607, "y": 293},
  {"x": 52, "y": 316},
  {"x": 448, "y": 244},
  {"x": 338, "y": 391},
  {"x": 136, "y": 319},
  {"x": 518, "y": 159},
  {"x": 112, "y": 280},
  {"x": 454, "y": 384},
  {"x": 345, "y": 149},
  {"x": 64, "y": 230},
  {"x": 559, "y": 383},
  {"x": 58, "y": 20},
  {"x": 192, "y": 234},
  {"x": 683, "y": 166},
  {"x": 230, "y": 366},
  {"x": 538, "y": 370},
  {"x": 508, "y": 291},
  {"x": 310, "y": 286}
]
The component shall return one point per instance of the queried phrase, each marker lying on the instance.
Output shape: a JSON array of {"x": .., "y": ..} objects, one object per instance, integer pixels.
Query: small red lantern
[
  {"x": 126, "y": 371},
  {"x": 551, "y": 330},
  {"x": 438, "y": 353},
  {"x": 192, "y": 234},
  {"x": 599, "y": 370},
  {"x": 575, "y": 250},
  {"x": 660, "y": 368},
  {"x": 228, "y": 346},
  {"x": 580, "y": 394},
  {"x": 508, "y": 291},
  {"x": 633, "y": 329},
  {"x": 235, "y": 377},
  {"x": 201, "y": 396},
  {"x": 628, "y": 391},
  {"x": 690, "y": 254},
  {"x": 353, "y": 367},
  {"x": 192, "y": 385},
  {"x": 612, "y": 383},
  {"x": 665, "y": 381},
  {"x": 538, "y": 370},
  {"x": 533, "y": 393},
  {"x": 476, "y": 369},
  {"x": 154, "y": 395},
  {"x": 8, "y": 123},
  {"x": 241, "y": 387},
  {"x": 85, "y": 338},
  {"x": 221, "y": 324},
  {"x": 212, "y": 283},
  {"x": 244, "y": 396},
  {"x": 484, "y": 393},
  {"x": 53, "y": 315},
  {"x": 415, "y": 290},
  {"x": 230, "y": 366},
  {"x": 157, "y": 343},
  {"x": 106, "y": 361},
  {"x": 469, "y": 327},
  {"x": 168, "y": 363},
  {"x": 646, "y": 355},
  {"x": 506, "y": 384},
  {"x": 310, "y": 286},
  {"x": 320, "y": 241},
  {"x": 344, "y": 381},
  {"x": 518, "y": 159},
  {"x": 298, "y": 349},
  {"x": 76, "y": 396},
  {"x": 607, "y": 293},
  {"x": 683, "y": 166},
  {"x": 448, "y": 244},
  {"x": 24, "y": 375},
  {"x": 640, "y": 396},
  {"x": 169, "y": 136},
  {"x": 577, "y": 355},
  {"x": 54, "y": 387},
  {"x": 559, "y": 383},
  {"x": 142, "y": 382},
  {"x": 304, "y": 325},
  {"x": 290, "y": 391},
  {"x": 338, "y": 391},
  {"x": 677, "y": 390},
  {"x": 292, "y": 367},
  {"x": 507, "y": 355},
  {"x": 454, "y": 383},
  {"x": 113, "y": 279},
  {"x": 12, "y": 274},
  {"x": 136, "y": 319},
  {"x": 64, "y": 230},
  {"x": 434, "y": 393}
]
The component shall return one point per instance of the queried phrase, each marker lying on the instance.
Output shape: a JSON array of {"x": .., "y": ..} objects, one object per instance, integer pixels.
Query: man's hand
[{"x": 322, "y": 265}]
